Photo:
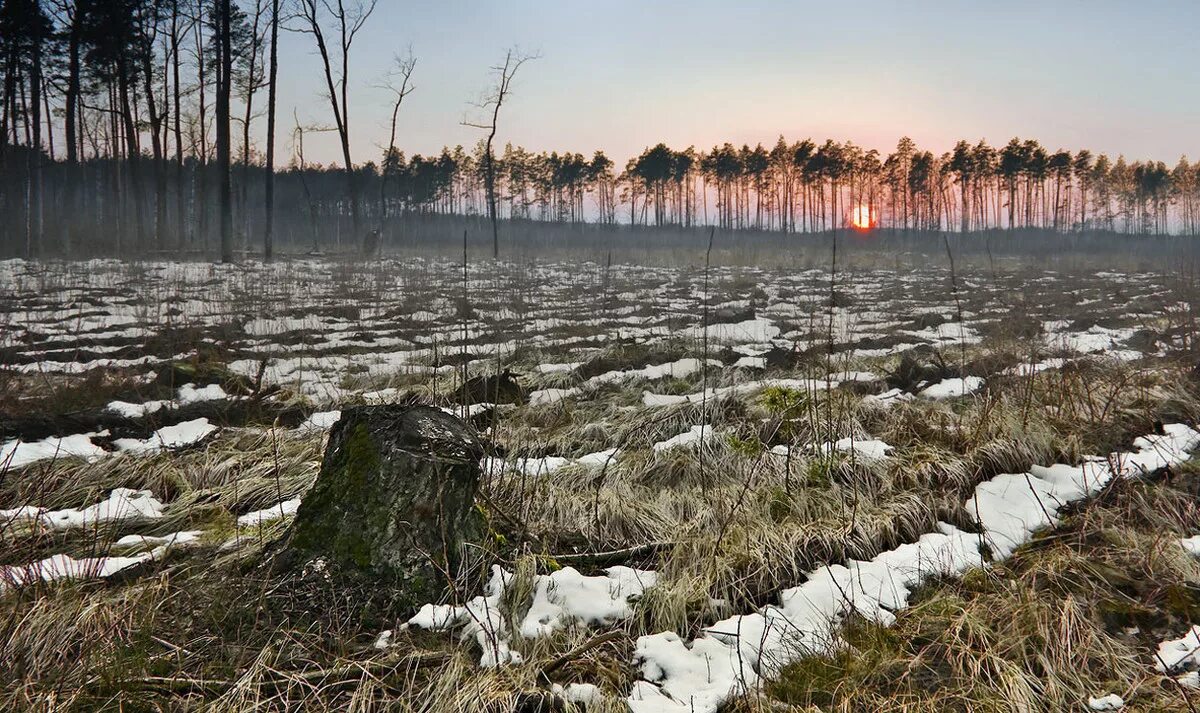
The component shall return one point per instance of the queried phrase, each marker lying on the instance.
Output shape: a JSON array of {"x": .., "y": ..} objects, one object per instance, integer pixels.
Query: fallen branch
[
  {"x": 568, "y": 657},
  {"x": 276, "y": 679},
  {"x": 614, "y": 556}
]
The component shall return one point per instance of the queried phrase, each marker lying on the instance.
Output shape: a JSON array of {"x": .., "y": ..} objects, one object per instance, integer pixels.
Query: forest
[{"x": 134, "y": 125}]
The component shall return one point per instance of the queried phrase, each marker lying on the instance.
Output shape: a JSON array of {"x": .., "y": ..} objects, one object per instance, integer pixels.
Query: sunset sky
[{"x": 1115, "y": 77}]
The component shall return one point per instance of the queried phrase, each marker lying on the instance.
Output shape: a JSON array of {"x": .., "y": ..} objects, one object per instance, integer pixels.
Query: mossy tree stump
[{"x": 394, "y": 503}]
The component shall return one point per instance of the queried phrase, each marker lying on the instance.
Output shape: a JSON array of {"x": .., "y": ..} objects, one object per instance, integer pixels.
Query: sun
[{"x": 863, "y": 217}]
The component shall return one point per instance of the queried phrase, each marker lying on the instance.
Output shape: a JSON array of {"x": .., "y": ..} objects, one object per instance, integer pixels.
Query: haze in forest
[{"x": 188, "y": 125}]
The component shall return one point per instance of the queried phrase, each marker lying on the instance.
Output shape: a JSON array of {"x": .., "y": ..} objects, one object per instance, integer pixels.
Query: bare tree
[
  {"x": 347, "y": 19},
  {"x": 513, "y": 59},
  {"x": 298, "y": 160},
  {"x": 402, "y": 73}
]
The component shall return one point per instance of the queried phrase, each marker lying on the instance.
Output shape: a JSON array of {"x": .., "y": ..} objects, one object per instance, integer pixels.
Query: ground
[{"x": 672, "y": 451}]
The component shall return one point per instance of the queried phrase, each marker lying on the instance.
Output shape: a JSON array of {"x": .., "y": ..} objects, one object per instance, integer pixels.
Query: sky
[{"x": 621, "y": 75}]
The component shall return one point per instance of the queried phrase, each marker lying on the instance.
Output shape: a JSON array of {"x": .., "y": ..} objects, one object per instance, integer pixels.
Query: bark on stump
[{"x": 394, "y": 503}]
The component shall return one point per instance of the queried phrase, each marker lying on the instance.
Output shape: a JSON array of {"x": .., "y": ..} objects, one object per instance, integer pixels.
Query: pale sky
[{"x": 1114, "y": 77}]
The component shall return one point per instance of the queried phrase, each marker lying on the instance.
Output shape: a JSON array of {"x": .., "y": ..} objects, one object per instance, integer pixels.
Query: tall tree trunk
[
  {"x": 351, "y": 178},
  {"x": 156, "y": 145},
  {"x": 489, "y": 179},
  {"x": 34, "y": 244},
  {"x": 965, "y": 218},
  {"x": 252, "y": 84},
  {"x": 180, "y": 204},
  {"x": 202, "y": 173},
  {"x": 269, "y": 228},
  {"x": 133, "y": 153},
  {"x": 224, "y": 84}
]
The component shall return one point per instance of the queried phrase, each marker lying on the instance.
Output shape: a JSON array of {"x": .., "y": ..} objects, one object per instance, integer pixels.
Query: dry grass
[
  {"x": 209, "y": 628},
  {"x": 1075, "y": 614}
]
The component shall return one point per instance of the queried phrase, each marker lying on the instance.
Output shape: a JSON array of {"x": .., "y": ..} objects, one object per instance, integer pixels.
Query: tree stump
[
  {"x": 371, "y": 244},
  {"x": 394, "y": 503},
  {"x": 502, "y": 388}
]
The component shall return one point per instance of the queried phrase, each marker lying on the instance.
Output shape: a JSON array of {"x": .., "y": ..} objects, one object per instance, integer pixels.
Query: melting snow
[
  {"x": 187, "y": 394},
  {"x": 547, "y": 464},
  {"x": 1110, "y": 702},
  {"x": 545, "y": 397},
  {"x": 867, "y": 449},
  {"x": 16, "y": 454},
  {"x": 560, "y": 599},
  {"x": 121, "y": 504},
  {"x": 567, "y": 596},
  {"x": 177, "y": 436},
  {"x": 62, "y": 566},
  {"x": 278, "y": 511},
  {"x": 733, "y": 655},
  {"x": 887, "y": 398},
  {"x": 190, "y": 394},
  {"x": 480, "y": 619},
  {"x": 66, "y": 567},
  {"x": 186, "y": 537},
  {"x": 953, "y": 387},
  {"x": 749, "y": 331},
  {"x": 598, "y": 459},
  {"x": 695, "y": 434},
  {"x": 1180, "y": 653},
  {"x": 320, "y": 421},
  {"x": 129, "y": 410},
  {"x": 678, "y": 369},
  {"x": 585, "y": 693}
]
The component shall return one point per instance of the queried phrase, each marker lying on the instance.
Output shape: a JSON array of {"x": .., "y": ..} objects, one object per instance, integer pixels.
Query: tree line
[{"x": 129, "y": 126}]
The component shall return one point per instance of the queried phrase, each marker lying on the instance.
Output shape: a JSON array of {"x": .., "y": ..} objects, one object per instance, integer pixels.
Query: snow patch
[
  {"x": 190, "y": 394},
  {"x": 61, "y": 566},
  {"x": 130, "y": 410},
  {"x": 867, "y": 449},
  {"x": 15, "y": 454},
  {"x": 887, "y": 398},
  {"x": 278, "y": 511},
  {"x": 1177, "y": 654},
  {"x": 749, "y": 331},
  {"x": 177, "y": 436},
  {"x": 320, "y": 421},
  {"x": 185, "y": 537},
  {"x": 952, "y": 388},
  {"x": 1110, "y": 702},
  {"x": 560, "y": 599},
  {"x": 121, "y": 504},
  {"x": 694, "y": 435}
]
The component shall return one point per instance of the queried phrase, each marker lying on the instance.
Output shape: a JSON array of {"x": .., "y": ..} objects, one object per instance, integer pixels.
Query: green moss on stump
[{"x": 393, "y": 505}]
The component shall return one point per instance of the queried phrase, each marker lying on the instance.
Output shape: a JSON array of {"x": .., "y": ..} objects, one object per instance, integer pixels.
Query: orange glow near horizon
[{"x": 863, "y": 217}]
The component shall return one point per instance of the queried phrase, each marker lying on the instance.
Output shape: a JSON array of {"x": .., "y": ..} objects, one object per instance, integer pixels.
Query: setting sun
[{"x": 863, "y": 217}]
